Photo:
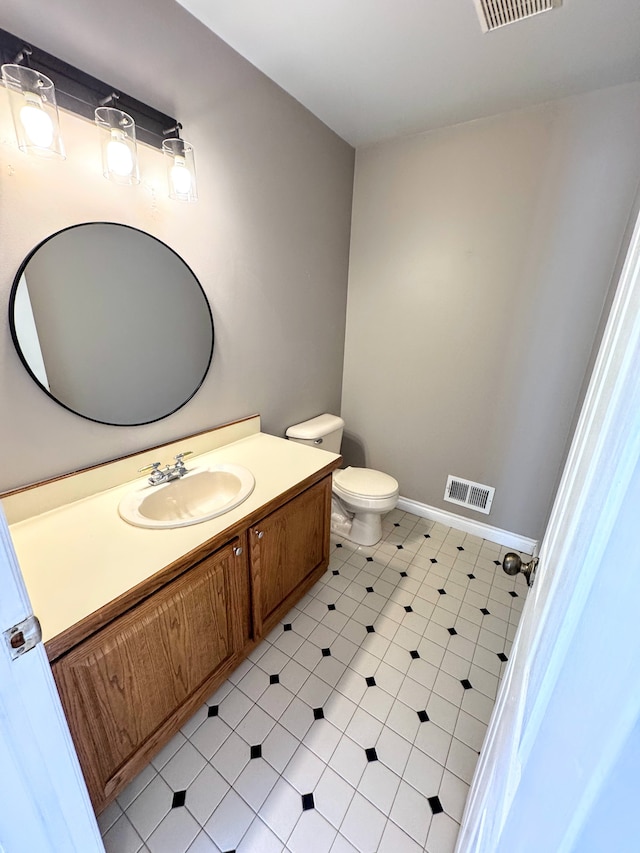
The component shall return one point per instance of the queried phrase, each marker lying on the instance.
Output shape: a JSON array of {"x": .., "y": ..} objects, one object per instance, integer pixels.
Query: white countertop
[{"x": 78, "y": 557}]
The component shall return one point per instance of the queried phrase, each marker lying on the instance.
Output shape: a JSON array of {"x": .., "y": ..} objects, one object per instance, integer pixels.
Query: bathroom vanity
[{"x": 142, "y": 625}]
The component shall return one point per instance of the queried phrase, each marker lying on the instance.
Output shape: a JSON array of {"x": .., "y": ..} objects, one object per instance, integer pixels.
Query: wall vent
[
  {"x": 472, "y": 495},
  {"x": 499, "y": 13}
]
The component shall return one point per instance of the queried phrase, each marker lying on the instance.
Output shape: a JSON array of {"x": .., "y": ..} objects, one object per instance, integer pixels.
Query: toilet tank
[{"x": 325, "y": 432}]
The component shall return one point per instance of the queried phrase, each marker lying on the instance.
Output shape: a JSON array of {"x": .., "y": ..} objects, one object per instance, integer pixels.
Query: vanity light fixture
[
  {"x": 181, "y": 166},
  {"x": 118, "y": 144},
  {"x": 123, "y": 121},
  {"x": 32, "y": 97}
]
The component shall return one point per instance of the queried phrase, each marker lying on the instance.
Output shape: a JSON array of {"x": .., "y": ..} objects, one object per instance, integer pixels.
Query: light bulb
[
  {"x": 181, "y": 177},
  {"x": 119, "y": 157},
  {"x": 36, "y": 123}
]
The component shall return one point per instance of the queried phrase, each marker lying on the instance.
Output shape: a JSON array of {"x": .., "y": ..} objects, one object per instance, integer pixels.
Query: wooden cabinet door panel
[
  {"x": 288, "y": 545},
  {"x": 120, "y": 686}
]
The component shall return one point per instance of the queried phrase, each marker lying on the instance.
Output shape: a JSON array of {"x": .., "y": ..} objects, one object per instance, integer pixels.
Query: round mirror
[{"x": 111, "y": 323}]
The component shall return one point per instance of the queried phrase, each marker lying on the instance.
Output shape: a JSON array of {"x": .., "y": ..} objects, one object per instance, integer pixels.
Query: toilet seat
[{"x": 366, "y": 483}]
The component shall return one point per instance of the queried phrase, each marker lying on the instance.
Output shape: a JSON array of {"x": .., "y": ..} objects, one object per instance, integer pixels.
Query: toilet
[{"x": 361, "y": 496}]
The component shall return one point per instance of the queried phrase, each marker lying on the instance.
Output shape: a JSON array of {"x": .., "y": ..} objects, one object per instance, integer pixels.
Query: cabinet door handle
[
  {"x": 237, "y": 550},
  {"x": 259, "y": 533}
]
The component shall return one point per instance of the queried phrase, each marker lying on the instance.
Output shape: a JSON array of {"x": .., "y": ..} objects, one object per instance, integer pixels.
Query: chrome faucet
[{"x": 169, "y": 472}]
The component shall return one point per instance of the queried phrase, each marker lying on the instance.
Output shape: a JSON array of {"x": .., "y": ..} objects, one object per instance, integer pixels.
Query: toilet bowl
[{"x": 361, "y": 496}]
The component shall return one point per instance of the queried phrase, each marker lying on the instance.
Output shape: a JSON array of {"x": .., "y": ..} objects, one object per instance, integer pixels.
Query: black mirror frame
[{"x": 14, "y": 335}]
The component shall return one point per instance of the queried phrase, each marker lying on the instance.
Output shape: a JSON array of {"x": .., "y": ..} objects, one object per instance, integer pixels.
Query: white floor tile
[
  {"x": 150, "y": 807},
  {"x": 453, "y": 795},
  {"x": 122, "y": 837},
  {"x": 175, "y": 834},
  {"x": 232, "y": 757},
  {"x": 278, "y": 747},
  {"x": 379, "y": 785},
  {"x": 282, "y": 809},
  {"x": 203, "y": 844},
  {"x": 363, "y": 825},
  {"x": 442, "y": 834},
  {"x": 209, "y": 737},
  {"x": 312, "y": 834},
  {"x": 180, "y": 771},
  {"x": 205, "y": 793},
  {"x": 412, "y": 813},
  {"x": 304, "y": 770},
  {"x": 260, "y": 839},
  {"x": 229, "y": 822},
  {"x": 332, "y": 796},
  {"x": 255, "y": 782},
  {"x": 423, "y": 773},
  {"x": 394, "y": 840},
  {"x": 349, "y": 760}
]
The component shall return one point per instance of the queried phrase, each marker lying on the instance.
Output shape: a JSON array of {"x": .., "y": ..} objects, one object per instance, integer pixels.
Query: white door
[
  {"x": 561, "y": 759},
  {"x": 44, "y": 804}
]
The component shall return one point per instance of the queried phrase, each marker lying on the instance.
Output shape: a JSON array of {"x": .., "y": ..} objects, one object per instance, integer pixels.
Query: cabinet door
[
  {"x": 286, "y": 548},
  {"x": 123, "y": 687}
]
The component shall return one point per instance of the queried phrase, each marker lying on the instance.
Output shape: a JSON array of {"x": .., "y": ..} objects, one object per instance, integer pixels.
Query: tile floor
[{"x": 355, "y": 726}]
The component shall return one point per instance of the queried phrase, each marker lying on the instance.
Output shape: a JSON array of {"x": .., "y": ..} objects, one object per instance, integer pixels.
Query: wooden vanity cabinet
[
  {"x": 289, "y": 549},
  {"x": 129, "y": 687}
]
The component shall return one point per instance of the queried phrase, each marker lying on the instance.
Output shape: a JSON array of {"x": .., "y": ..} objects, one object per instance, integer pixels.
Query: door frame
[
  {"x": 45, "y": 803},
  {"x": 585, "y": 530}
]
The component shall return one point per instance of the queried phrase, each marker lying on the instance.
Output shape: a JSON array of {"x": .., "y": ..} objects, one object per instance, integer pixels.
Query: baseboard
[{"x": 469, "y": 525}]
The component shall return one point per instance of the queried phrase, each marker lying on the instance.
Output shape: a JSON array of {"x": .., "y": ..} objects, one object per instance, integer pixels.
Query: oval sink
[{"x": 200, "y": 495}]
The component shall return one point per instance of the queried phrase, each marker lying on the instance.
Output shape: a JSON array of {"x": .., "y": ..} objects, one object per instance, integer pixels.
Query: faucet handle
[
  {"x": 153, "y": 467},
  {"x": 180, "y": 456}
]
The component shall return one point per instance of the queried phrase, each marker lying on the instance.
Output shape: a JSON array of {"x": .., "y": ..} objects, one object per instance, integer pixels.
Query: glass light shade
[
  {"x": 118, "y": 144},
  {"x": 32, "y": 98},
  {"x": 181, "y": 169}
]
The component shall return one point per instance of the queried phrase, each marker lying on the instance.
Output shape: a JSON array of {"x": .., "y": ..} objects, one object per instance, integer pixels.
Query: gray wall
[
  {"x": 268, "y": 238},
  {"x": 481, "y": 259}
]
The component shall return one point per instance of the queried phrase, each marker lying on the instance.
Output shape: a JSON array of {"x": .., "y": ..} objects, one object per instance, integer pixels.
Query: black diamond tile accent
[
  {"x": 466, "y": 683},
  {"x": 326, "y": 653},
  {"x": 414, "y": 654},
  {"x": 423, "y": 716},
  {"x": 338, "y": 544},
  {"x": 396, "y": 524},
  {"x": 213, "y": 711},
  {"x": 371, "y": 754},
  {"x": 400, "y": 547},
  {"x": 331, "y": 607},
  {"x": 274, "y": 679},
  {"x": 287, "y": 627},
  {"x": 371, "y": 629},
  {"x": 371, "y": 682},
  {"x": 513, "y": 594},
  {"x": 502, "y": 657},
  {"x": 471, "y": 576},
  {"x": 179, "y": 799},
  {"x": 408, "y": 608},
  {"x": 484, "y": 611},
  {"x": 307, "y": 802},
  {"x": 335, "y": 572},
  {"x": 369, "y": 559},
  {"x": 460, "y": 548},
  {"x": 427, "y": 536},
  {"x": 369, "y": 589},
  {"x": 433, "y": 560},
  {"x": 404, "y": 575},
  {"x": 256, "y": 751},
  {"x": 436, "y": 805},
  {"x": 452, "y": 631},
  {"x": 497, "y": 562},
  {"x": 318, "y": 714},
  {"x": 442, "y": 591}
]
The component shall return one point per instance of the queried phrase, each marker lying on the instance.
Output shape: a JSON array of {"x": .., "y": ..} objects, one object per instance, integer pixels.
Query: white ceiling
[{"x": 374, "y": 69}]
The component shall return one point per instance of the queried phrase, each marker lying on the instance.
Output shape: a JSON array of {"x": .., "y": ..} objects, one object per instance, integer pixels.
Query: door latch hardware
[
  {"x": 512, "y": 564},
  {"x": 23, "y": 637}
]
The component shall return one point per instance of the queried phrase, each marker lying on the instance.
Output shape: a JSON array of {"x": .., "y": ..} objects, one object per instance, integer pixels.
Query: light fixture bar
[{"x": 80, "y": 93}]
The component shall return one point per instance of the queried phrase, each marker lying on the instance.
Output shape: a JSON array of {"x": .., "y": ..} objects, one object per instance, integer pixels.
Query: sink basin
[{"x": 200, "y": 495}]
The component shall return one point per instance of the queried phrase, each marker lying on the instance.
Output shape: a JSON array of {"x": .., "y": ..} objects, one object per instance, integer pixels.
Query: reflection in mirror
[{"x": 111, "y": 323}]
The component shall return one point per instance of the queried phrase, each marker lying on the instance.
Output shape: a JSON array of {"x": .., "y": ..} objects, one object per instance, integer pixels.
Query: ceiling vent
[
  {"x": 472, "y": 495},
  {"x": 499, "y": 13}
]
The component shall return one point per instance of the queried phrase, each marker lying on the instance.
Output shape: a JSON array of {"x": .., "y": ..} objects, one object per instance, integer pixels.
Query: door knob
[
  {"x": 259, "y": 533},
  {"x": 512, "y": 564},
  {"x": 237, "y": 550}
]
